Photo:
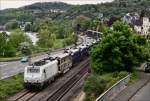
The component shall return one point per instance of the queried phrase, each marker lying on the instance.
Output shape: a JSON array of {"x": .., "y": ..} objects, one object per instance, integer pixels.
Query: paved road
[
  {"x": 8, "y": 69},
  {"x": 143, "y": 94},
  {"x": 137, "y": 91}
]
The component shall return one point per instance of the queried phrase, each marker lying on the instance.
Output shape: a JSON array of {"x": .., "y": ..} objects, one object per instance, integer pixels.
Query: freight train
[{"x": 48, "y": 69}]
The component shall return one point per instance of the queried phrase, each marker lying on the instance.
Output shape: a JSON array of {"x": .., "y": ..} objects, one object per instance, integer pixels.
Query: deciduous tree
[
  {"x": 120, "y": 49},
  {"x": 17, "y": 37}
]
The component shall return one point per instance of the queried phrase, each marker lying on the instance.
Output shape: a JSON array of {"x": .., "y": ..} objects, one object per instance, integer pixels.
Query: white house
[
  {"x": 137, "y": 24},
  {"x": 143, "y": 24},
  {"x": 146, "y": 25}
]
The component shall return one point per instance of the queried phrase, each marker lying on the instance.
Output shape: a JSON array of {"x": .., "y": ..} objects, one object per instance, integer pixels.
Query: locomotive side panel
[{"x": 50, "y": 71}]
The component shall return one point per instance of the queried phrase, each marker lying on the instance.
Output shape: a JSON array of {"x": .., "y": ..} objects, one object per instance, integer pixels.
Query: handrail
[{"x": 117, "y": 87}]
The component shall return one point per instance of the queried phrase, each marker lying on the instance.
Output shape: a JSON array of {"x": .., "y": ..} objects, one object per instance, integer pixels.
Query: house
[
  {"x": 146, "y": 25},
  {"x": 130, "y": 18},
  {"x": 140, "y": 24},
  {"x": 56, "y": 11}
]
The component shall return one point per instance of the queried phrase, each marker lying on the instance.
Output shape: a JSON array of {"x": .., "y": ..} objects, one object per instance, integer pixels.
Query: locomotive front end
[{"x": 32, "y": 77}]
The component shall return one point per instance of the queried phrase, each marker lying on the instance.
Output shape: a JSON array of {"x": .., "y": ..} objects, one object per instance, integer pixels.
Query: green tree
[
  {"x": 12, "y": 25},
  {"x": 28, "y": 27},
  {"x": 9, "y": 50},
  {"x": 36, "y": 26},
  {"x": 51, "y": 31},
  {"x": 46, "y": 36},
  {"x": 81, "y": 23},
  {"x": 3, "y": 41},
  {"x": 96, "y": 24},
  {"x": 6, "y": 48},
  {"x": 17, "y": 37},
  {"x": 120, "y": 49},
  {"x": 26, "y": 48},
  {"x": 61, "y": 32},
  {"x": 72, "y": 38}
]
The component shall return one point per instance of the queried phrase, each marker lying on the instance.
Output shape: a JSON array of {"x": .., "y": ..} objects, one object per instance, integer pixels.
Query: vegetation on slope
[
  {"x": 97, "y": 84},
  {"x": 10, "y": 86},
  {"x": 42, "y": 10},
  {"x": 118, "y": 53}
]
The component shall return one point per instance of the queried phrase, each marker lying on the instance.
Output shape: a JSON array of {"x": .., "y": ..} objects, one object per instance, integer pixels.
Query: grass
[
  {"x": 11, "y": 86},
  {"x": 133, "y": 78},
  {"x": 9, "y": 59}
]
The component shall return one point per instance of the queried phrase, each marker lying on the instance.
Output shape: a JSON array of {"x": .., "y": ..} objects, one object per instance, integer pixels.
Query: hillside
[
  {"x": 30, "y": 12},
  {"x": 61, "y": 11}
]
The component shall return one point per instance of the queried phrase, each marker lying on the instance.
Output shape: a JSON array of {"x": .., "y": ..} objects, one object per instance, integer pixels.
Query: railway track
[
  {"x": 56, "y": 96},
  {"x": 24, "y": 95},
  {"x": 54, "y": 92}
]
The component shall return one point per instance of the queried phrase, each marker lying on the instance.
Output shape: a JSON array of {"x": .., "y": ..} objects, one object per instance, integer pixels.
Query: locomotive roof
[
  {"x": 41, "y": 64},
  {"x": 60, "y": 55}
]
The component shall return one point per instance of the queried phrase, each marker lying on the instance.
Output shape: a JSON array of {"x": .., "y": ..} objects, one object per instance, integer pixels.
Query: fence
[{"x": 107, "y": 95}]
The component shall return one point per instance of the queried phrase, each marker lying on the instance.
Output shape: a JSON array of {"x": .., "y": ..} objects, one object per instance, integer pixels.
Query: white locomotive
[{"x": 45, "y": 71}]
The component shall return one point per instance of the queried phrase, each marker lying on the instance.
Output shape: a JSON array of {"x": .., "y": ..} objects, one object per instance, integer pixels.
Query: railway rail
[
  {"x": 53, "y": 93},
  {"x": 24, "y": 95},
  {"x": 67, "y": 86}
]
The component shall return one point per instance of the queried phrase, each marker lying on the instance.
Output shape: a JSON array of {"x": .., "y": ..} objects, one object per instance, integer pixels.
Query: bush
[
  {"x": 97, "y": 84},
  {"x": 134, "y": 77},
  {"x": 94, "y": 86},
  {"x": 122, "y": 74}
]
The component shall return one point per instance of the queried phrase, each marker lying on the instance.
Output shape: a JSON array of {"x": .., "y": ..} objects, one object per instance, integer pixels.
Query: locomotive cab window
[{"x": 33, "y": 70}]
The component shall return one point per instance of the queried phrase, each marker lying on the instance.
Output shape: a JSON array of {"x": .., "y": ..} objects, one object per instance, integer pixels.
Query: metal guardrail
[{"x": 117, "y": 87}]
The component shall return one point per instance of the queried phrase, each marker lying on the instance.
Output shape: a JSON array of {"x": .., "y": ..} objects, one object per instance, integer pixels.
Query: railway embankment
[
  {"x": 103, "y": 84},
  {"x": 10, "y": 86}
]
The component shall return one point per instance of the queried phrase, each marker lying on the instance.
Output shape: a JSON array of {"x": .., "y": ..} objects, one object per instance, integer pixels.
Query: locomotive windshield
[
  {"x": 33, "y": 70},
  {"x": 40, "y": 63}
]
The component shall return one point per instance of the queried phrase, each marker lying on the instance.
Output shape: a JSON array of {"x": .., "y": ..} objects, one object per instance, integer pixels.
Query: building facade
[{"x": 146, "y": 26}]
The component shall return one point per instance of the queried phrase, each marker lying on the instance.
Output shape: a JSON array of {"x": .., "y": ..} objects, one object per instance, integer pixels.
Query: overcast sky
[{"x": 18, "y": 3}]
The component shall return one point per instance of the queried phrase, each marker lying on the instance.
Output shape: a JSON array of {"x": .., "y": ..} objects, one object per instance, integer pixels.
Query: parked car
[
  {"x": 147, "y": 67},
  {"x": 24, "y": 59}
]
